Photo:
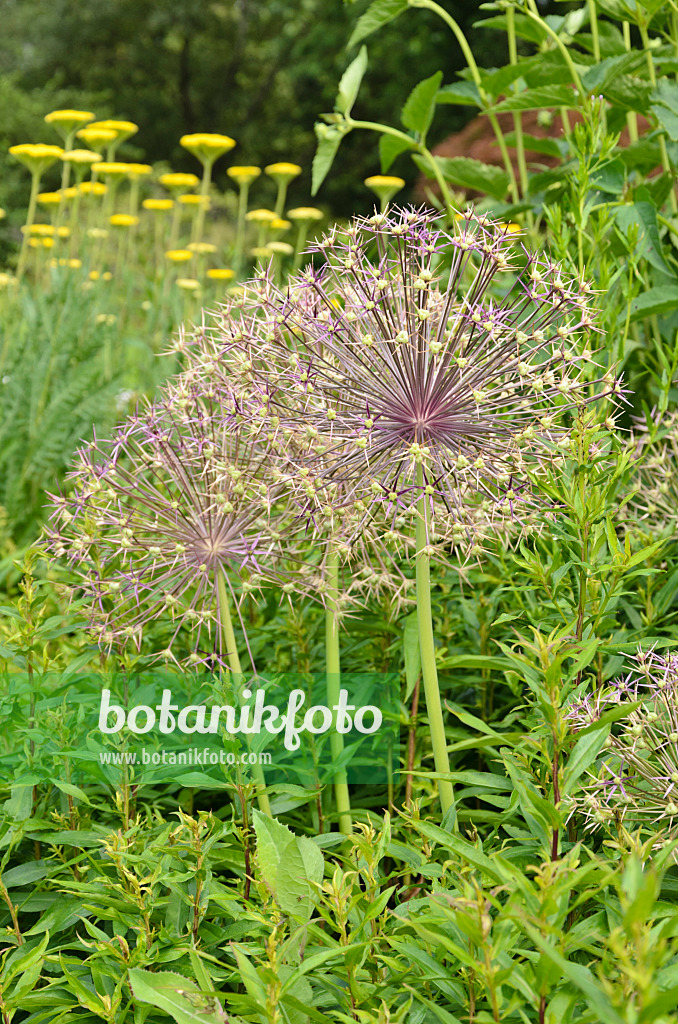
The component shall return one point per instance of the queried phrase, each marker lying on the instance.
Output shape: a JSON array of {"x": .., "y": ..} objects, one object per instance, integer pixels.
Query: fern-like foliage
[{"x": 59, "y": 377}]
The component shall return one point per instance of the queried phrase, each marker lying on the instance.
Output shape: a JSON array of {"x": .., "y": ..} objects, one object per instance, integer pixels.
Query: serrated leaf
[
  {"x": 469, "y": 173},
  {"x": 390, "y": 148},
  {"x": 350, "y": 83},
  {"x": 539, "y": 99},
  {"x": 417, "y": 113},
  {"x": 177, "y": 996},
  {"x": 376, "y": 16},
  {"x": 290, "y": 865},
  {"x": 464, "y": 94}
]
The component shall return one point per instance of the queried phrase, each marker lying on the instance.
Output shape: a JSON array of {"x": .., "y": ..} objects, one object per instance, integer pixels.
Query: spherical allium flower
[
  {"x": 655, "y": 501},
  {"x": 636, "y": 783},
  {"x": 178, "y": 499},
  {"x": 408, "y": 379}
]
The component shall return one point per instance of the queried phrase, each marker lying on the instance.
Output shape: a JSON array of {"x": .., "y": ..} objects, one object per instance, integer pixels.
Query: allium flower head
[
  {"x": 637, "y": 780},
  {"x": 406, "y": 376},
  {"x": 178, "y": 496},
  {"x": 656, "y": 482}
]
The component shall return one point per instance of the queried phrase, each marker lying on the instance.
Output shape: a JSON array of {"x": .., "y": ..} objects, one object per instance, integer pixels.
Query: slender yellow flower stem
[
  {"x": 333, "y": 669},
  {"x": 236, "y": 671},
  {"x": 30, "y": 217},
  {"x": 302, "y": 234},
  {"x": 199, "y": 222},
  {"x": 243, "y": 198},
  {"x": 429, "y": 670}
]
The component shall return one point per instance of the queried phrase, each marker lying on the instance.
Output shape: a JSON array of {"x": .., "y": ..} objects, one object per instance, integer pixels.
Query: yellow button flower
[
  {"x": 385, "y": 186},
  {"x": 207, "y": 146},
  {"x": 63, "y": 231},
  {"x": 191, "y": 199},
  {"x": 179, "y": 255},
  {"x": 158, "y": 205},
  {"x": 92, "y": 188},
  {"x": 202, "y": 247},
  {"x": 283, "y": 170},
  {"x": 2, "y": 213},
  {"x": 69, "y": 193},
  {"x": 66, "y": 121},
  {"x": 221, "y": 273},
  {"x": 81, "y": 156},
  {"x": 282, "y": 248},
  {"x": 123, "y": 220},
  {"x": 512, "y": 229},
  {"x": 38, "y": 229},
  {"x": 7, "y": 280},
  {"x": 97, "y": 138},
  {"x": 189, "y": 284},
  {"x": 122, "y": 129},
  {"x": 307, "y": 213},
  {"x": 37, "y": 157},
  {"x": 280, "y": 224},
  {"x": 261, "y": 252},
  {"x": 261, "y": 216},
  {"x": 113, "y": 169},
  {"x": 244, "y": 175},
  {"x": 176, "y": 180},
  {"x": 138, "y": 170},
  {"x": 49, "y": 198}
]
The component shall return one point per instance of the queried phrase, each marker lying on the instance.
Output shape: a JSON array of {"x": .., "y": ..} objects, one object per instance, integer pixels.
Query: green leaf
[
  {"x": 329, "y": 138},
  {"x": 580, "y": 976},
  {"x": 411, "y": 653},
  {"x": 417, "y": 114},
  {"x": 665, "y": 107},
  {"x": 350, "y": 83},
  {"x": 469, "y": 173},
  {"x": 290, "y": 865},
  {"x": 538, "y": 99},
  {"x": 177, "y": 996},
  {"x": 584, "y": 754},
  {"x": 654, "y": 302},
  {"x": 390, "y": 148},
  {"x": 376, "y": 16},
  {"x": 642, "y": 216},
  {"x": 463, "y": 94}
]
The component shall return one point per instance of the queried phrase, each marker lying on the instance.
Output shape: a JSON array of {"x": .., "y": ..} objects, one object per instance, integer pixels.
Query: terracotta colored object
[{"x": 477, "y": 140}]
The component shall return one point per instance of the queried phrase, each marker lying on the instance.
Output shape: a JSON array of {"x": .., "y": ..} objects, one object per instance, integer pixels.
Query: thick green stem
[
  {"x": 430, "y": 5},
  {"x": 517, "y": 116},
  {"x": 333, "y": 669},
  {"x": 426, "y": 153},
  {"x": 429, "y": 669},
  {"x": 231, "y": 649},
  {"x": 631, "y": 117},
  {"x": 663, "y": 152}
]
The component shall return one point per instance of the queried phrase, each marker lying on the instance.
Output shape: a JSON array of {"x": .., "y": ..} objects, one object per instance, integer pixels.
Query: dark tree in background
[{"x": 259, "y": 70}]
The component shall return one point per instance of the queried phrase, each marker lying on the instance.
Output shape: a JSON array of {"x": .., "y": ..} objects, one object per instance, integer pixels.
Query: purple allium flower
[
  {"x": 179, "y": 495},
  {"x": 637, "y": 781},
  {"x": 397, "y": 376}
]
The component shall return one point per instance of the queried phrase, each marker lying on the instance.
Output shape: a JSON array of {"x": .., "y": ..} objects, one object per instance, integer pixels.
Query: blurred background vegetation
[{"x": 258, "y": 70}]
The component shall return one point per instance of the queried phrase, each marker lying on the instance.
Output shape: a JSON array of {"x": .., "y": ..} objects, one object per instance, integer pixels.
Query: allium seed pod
[
  {"x": 636, "y": 783},
  {"x": 177, "y": 496},
  {"x": 396, "y": 375}
]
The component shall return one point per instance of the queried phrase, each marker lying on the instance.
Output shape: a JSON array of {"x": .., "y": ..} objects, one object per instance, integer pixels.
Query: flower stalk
[{"x": 333, "y": 668}]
